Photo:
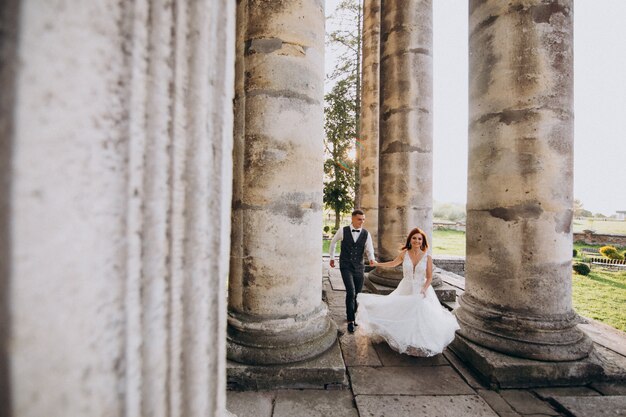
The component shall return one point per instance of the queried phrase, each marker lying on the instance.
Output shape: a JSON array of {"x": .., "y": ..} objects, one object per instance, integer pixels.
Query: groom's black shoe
[{"x": 351, "y": 327}]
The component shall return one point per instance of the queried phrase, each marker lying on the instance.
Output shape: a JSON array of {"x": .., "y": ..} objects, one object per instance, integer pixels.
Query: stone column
[
  {"x": 276, "y": 314},
  {"x": 120, "y": 181},
  {"x": 518, "y": 295},
  {"x": 406, "y": 128},
  {"x": 369, "y": 115}
]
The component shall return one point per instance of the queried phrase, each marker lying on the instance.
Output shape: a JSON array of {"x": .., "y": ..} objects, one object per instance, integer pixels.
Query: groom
[{"x": 354, "y": 241}]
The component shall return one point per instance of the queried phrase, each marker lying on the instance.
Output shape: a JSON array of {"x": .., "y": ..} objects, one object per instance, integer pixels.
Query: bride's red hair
[{"x": 407, "y": 245}]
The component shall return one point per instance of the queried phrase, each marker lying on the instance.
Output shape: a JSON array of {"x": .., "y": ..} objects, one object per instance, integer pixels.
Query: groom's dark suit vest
[{"x": 351, "y": 251}]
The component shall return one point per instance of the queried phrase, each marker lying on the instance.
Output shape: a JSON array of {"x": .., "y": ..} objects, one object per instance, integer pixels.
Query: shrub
[
  {"x": 575, "y": 253},
  {"x": 611, "y": 252},
  {"x": 326, "y": 228},
  {"x": 333, "y": 231},
  {"x": 581, "y": 269}
]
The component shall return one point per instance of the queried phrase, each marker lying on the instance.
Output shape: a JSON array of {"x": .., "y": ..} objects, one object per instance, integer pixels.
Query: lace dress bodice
[{"x": 412, "y": 277}]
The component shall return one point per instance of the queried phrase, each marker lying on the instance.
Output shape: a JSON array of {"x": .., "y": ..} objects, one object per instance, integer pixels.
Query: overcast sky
[{"x": 600, "y": 102}]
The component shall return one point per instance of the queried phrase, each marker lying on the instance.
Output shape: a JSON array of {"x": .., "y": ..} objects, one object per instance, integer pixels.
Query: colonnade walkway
[{"x": 382, "y": 382}]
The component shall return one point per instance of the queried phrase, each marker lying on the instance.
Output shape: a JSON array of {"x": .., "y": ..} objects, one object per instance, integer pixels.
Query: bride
[{"x": 410, "y": 319}]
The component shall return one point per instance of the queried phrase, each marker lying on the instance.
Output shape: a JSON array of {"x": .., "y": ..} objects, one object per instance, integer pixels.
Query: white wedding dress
[{"x": 409, "y": 322}]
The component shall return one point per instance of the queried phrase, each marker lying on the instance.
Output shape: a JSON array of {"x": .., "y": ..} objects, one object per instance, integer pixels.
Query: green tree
[
  {"x": 579, "y": 210},
  {"x": 339, "y": 170},
  {"x": 345, "y": 39}
]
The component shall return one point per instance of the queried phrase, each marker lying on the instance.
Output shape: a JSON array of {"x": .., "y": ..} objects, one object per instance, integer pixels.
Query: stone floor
[{"x": 385, "y": 383}]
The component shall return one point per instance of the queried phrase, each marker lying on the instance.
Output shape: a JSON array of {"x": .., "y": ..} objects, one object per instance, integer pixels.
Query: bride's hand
[{"x": 373, "y": 262}]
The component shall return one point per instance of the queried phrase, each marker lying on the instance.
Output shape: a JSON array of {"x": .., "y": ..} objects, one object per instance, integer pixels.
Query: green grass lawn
[
  {"x": 448, "y": 242},
  {"x": 326, "y": 246},
  {"x": 612, "y": 227},
  {"x": 601, "y": 295}
]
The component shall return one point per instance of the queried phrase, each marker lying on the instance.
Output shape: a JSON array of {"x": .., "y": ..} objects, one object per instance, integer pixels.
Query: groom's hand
[{"x": 332, "y": 263}]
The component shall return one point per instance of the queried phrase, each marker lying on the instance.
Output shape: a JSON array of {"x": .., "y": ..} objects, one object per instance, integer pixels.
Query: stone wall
[
  {"x": 455, "y": 264},
  {"x": 600, "y": 239}
]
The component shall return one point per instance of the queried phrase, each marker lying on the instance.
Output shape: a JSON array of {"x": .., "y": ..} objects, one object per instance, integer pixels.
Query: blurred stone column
[
  {"x": 276, "y": 313},
  {"x": 518, "y": 294},
  {"x": 369, "y": 116},
  {"x": 117, "y": 144},
  {"x": 406, "y": 129}
]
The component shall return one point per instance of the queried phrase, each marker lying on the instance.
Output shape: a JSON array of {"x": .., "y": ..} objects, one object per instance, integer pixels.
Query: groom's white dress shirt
[{"x": 369, "y": 245}]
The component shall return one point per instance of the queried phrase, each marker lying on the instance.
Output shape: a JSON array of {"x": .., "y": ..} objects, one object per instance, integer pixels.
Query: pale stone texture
[
  {"x": 276, "y": 314},
  {"x": 251, "y": 403},
  {"x": 316, "y": 403},
  {"x": 594, "y": 406},
  {"x": 370, "y": 116},
  {"x": 406, "y": 130},
  {"x": 423, "y": 406},
  {"x": 405, "y": 380},
  {"x": 525, "y": 402},
  {"x": 120, "y": 182},
  {"x": 518, "y": 296},
  {"x": 358, "y": 351}
]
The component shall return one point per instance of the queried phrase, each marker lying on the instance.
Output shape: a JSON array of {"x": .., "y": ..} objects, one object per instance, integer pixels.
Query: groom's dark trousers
[{"x": 352, "y": 268}]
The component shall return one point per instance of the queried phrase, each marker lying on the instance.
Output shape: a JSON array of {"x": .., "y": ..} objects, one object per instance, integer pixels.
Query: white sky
[{"x": 600, "y": 102}]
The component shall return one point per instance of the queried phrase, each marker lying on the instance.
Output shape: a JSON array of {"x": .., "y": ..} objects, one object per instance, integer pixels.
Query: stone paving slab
[
  {"x": 466, "y": 373},
  {"x": 613, "y": 364},
  {"x": 423, "y": 406},
  {"x": 390, "y": 357},
  {"x": 525, "y": 402},
  {"x": 613, "y": 406},
  {"x": 336, "y": 299},
  {"x": 565, "y": 391},
  {"x": 314, "y": 403},
  {"x": 402, "y": 380},
  {"x": 334, "y": 275},
  {"x": 250, "y": 403},
  {"x": 605, "y": 335},
  {"x": 358, "y": 351},
  {"x": 496, "y": 402},
  {"x": 610, "y": 388}
]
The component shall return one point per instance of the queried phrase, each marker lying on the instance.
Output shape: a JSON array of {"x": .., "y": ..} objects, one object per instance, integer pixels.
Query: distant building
[{"x": 621, "y": 215}]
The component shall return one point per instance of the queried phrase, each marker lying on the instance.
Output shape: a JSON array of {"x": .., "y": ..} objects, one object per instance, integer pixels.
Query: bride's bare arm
[
  {"x": 395, "y": 262},
  {"x": 429, "y": 273}
]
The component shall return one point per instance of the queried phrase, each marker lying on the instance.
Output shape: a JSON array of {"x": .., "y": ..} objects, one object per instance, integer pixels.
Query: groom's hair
[{"x": 357, "y": 211}]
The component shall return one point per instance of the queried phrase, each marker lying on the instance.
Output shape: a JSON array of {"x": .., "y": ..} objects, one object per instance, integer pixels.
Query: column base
[
  {"x": 279, "y": 341},
  {"x": 548, "y": 338},
  {"x": 326, "y": 371},
  {"x": 503, "y": 371}
]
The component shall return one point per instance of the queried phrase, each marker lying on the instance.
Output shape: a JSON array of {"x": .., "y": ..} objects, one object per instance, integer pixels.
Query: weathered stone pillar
[
  {"x": 518, "y": 297},
  {"x": 120, "y": 142},
  {"x": 406, "y": 128},
  {"x": 276, "y": 314},
  {"x": 369, "y": 115}
]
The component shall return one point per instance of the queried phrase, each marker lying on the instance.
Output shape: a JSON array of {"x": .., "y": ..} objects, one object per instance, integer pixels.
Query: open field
[
  {"x": 448, "y": 242},
  {"x": 600, "y": 295},
  {"x": 611, "y": 227}
]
